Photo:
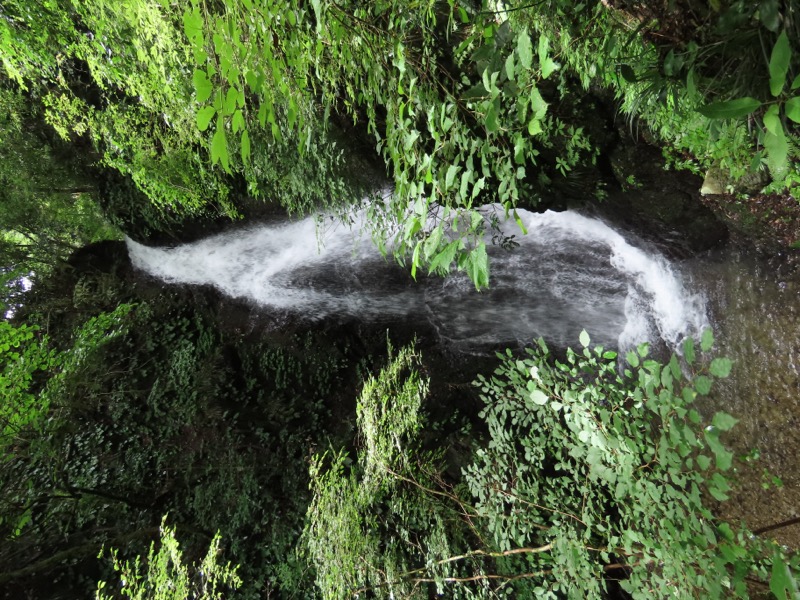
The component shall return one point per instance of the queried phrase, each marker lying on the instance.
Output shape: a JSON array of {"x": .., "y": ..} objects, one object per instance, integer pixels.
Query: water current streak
[{"x": 569, "y": 273}]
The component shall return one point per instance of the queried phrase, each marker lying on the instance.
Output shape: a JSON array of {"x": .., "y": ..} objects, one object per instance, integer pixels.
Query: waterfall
[{"x": 570, "y": 272}]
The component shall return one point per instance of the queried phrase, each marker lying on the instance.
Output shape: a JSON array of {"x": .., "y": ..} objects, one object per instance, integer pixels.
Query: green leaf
[
  {"x": 230, "y": 101},
  {"x": 793, "y": 109},
  {"x": 633, "y": 359},
  {"x": 723, "y": 457},
  {"x": 726, "y": 531},
  {"x": 415, "y": 260},
  {"x": 539, "y": 398},
  {"x": 491, "y": 116},
  {"x": 538, "y": 105},
  {"x": 525, "y": 49},
  {"x": 674, "y": 367},
  {"x": 450, "y": 176},
  {"x": 478, "y": 187},
  {"x": 770, "y": 15},
  {"x": 442, "y": 261},
  {"x": 723, "y": 421},
  {"x": 781, "y": 581},
  {"x": 237, "y": 122},
  {"x": 433, "y": 241},
  {"x": 796, "y": 83},
  {"x": 702, "y": 384},
  {"x": 202, "y": 85},
  {"x": 245, "y": 150},
  {"x": 219, "y": 146},
  {"x": 688, "y": 350},
  {"x": 466, "y": 178},
  {"x": 519, "y": 223},
  {"x": 544, "y": 45},
  {"x": 703, "y": 462},
  {"x": 772, "y": 120},
  {"x": 410, "y": 139},
  {"x": 193, "y": 24},
  {"x": 548, "y": 67},
  {"x": 478, "y": 266},
  {"x": 731, "y": 109},
  {"x": 475, "y": 92},
  {"x": 691, "y": 84},
  {"x": 412, "y": 226},
  {"x": 204, "y": 116},
  {"x": 262, "y": 114},
  {"x": 584, "y": 339},
  {"x": 318, "y": 14},
  {"x": 706, "y": 340},
  {"x": 718, "y": 486},
  {"x": 779, "y": 64},
  {"x": 510, "y": 67},
  {"x": 775, "y": 144},
  {"x": 720, "y": 367},
  {"x": 254, "y": 81},
  {"x": 534, "y": 127}
]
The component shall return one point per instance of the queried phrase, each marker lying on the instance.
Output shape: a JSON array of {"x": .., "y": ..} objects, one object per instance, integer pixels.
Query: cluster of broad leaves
[
  {"x": 462, "y": 101},
  {"x": 453, "y": 118},
  {"x": 784, "y": 105},
  {"x": 452, "y": 93},
  {"x": 723, "y": 93},
  {"x": 591, "y": 480},
  {"x": 32, "y": 375}
]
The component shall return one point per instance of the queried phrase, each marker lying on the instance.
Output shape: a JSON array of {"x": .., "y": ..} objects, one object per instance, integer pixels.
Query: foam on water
[{"x": 569, "y": 273}]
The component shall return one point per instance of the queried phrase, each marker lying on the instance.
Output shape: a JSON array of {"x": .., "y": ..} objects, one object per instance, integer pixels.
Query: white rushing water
[{"x": 569, "y": 273}]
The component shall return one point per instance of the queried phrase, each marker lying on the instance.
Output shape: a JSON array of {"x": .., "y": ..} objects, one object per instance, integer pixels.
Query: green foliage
[
  {"x": 361, "y": 523},
  {"x": 158, "y": 409},
  {"x": 465, "y": 105},
  {"x": 164, "y": 576},
  {"x": 731, "y": 109},
  {"x": 21, "y": 357},
  {"x": 46, "y": 193},
  {"x": 779, "y": 64},
  {"x": 26, "y": 355},
  {"x": 120, "y": 75},
  {"x": 592, "y": 479},
  {"x": 187, "y": 104},
  {"x": 775, "y": 137},
  {"x": 624, "y": 457},
  {"x": 690, "y": 86},
  {"x": 454, "y": 110},
  {"x": 388, "y": 415},
  {"x": 31, "y": 385}
]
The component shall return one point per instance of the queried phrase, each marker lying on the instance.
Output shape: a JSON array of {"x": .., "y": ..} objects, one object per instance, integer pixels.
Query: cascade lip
[{"x": 571, "y": 272}]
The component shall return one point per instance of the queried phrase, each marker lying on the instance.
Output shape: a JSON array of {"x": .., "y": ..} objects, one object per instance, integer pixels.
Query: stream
[{"x": 569, "y": 273}]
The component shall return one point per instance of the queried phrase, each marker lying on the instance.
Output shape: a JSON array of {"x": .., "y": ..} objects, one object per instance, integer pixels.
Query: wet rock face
[
  {"x": 108, "y": 256},
  {"x": 664, "y": 205}
]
